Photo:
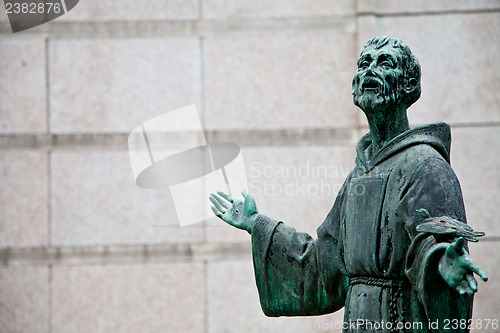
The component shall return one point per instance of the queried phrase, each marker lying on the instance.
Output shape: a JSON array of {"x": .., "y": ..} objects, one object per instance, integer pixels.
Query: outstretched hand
[
  {"x": 457, "y": 268},
  {"x": 233, "y": 211}
]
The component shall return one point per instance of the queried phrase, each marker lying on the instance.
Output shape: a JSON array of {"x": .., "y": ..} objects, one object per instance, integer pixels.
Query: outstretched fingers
[
  {"x": 218, "y": 203},
  {"x": 472, "y": 282},
  {"x": 478, "y": 270},
  {"x": 216, "y": 212},
  {"x": 226, "y": 196},
  {"x": 221, "y": 201},
  {"x": 464, "y": 288}
]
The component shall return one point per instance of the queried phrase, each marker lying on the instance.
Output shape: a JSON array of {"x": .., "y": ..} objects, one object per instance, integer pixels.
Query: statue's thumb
[
  {"x": 459, "y": 244},
  {"x": 456, "y": 247},
  {"x": 250, "y": 205}
]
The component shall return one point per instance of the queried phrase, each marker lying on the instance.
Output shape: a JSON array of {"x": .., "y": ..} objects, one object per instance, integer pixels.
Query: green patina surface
[{"x": 393, "y": 248}]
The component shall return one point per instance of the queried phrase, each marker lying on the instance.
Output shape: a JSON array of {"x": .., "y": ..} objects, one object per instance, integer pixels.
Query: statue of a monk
[{"x": 393, "y": 248}]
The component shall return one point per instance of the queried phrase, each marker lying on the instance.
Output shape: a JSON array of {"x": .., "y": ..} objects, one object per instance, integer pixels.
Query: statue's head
[{"x": 388, "y": 74}]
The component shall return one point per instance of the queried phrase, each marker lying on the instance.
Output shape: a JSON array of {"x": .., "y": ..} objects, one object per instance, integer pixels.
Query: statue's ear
[{"x": 411, "y": 84}]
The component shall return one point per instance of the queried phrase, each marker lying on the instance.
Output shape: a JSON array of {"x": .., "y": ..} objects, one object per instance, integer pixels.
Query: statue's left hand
[
  {"x": 457, "y": 268},
  {"x": 234, "y": 212}
]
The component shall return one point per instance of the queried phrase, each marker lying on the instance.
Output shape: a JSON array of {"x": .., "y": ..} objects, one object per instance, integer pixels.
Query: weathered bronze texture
[{"x": 393, "y": 248}]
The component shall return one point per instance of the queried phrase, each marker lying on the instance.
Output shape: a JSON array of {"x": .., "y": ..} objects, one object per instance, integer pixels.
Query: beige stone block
[
  {"x": 233, "y": 305},
  {"x": 95, "y": 201},
  {"x": 3, "y": 15},
  {"x": 129, "y": 10},
  {"x": 423, "y": 6},
  {"x": 279, "y": 81},
  {"x": 277, "y": 9},
  {"x": 486, "y": 301},
  {"x": 460, "y": 66},
  {"x": 129, "y": 298},
  {"x": 23, "y": 197},
  {"x": 476, "y": 161},
  {"x": 108, "y": 85},
  {"x": 367, "y": 26},
  {"x": 25, "y": 299},
  {"x": 297, "y": 185},
  {"x": 23, "y": 102}
]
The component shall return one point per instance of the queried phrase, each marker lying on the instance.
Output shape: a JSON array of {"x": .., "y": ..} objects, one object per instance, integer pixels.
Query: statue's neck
[{"x": 385, "y": 125}]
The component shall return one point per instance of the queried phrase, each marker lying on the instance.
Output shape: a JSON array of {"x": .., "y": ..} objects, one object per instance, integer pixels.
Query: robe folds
[{"x": 368, "y": 256}]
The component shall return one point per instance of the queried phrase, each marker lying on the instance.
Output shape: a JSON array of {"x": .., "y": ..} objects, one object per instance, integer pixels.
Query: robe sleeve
[
  {"x": 295, "y": 274},
  {"x": 434, "y": 187}
]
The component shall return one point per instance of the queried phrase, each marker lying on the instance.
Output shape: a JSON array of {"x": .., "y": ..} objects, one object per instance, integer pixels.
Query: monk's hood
[{"x": 438, "y": 136}]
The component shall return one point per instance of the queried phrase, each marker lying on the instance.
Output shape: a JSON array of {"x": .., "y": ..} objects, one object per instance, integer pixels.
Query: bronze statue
[{"x": 393, "y": 248}]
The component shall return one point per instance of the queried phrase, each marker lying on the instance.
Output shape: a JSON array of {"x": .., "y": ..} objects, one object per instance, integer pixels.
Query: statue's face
[{"x": 378, "y": 82}]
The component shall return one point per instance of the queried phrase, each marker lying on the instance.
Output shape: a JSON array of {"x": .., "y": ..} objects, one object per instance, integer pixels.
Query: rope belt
[
  {"x": 379, "y": 282},
  {"x": 395, "y": 294}
]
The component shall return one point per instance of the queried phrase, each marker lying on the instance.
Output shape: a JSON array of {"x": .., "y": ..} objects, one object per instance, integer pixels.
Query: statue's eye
[
  {"x": 363, "y": 64},
  {"x": 387, "y": 64},
  {"x": 236, "y": 211}
]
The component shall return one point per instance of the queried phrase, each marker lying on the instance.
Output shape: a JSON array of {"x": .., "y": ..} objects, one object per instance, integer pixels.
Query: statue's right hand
[{"x": 233, "y": 211}]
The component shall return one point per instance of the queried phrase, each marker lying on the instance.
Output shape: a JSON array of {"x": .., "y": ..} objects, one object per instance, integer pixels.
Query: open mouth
[{"x": 370, "y": 85}]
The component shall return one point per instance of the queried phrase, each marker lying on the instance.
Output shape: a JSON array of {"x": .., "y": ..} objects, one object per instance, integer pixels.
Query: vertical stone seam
[
  {"x": 49, "y": 180},
  {"x": 201, "y": 85},
  {"x": 357, "y": 35},
  {"x": 206, "y": 300},
  {"x": 49, "y": 150},
  {"x": 47, "y": 86},
  {"x": 49, "y": 315},
  {"x": 200, "y": 10},
  {"x": 203, "y": 123},
  {"x": 49, "y": 236}
]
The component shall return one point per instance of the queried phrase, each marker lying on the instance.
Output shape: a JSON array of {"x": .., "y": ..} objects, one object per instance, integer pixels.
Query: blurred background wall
[{"x": 83, "y": 249}]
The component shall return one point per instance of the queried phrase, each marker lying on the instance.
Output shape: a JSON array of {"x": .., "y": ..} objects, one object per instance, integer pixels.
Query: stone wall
[{"x": 83, "y": 249}]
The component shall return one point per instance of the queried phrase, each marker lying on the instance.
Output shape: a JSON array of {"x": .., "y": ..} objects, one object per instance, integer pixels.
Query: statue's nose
[{"x": 370, "y": 71}]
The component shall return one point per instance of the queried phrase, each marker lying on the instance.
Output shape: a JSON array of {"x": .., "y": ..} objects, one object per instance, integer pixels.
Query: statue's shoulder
[{"x": 428, "y": 142}]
